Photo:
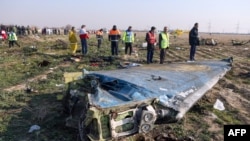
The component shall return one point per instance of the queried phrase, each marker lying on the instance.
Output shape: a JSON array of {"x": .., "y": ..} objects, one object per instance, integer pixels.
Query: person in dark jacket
[
  {"x": 193, "y": 41},
  {"x": 114, "y": 37}
]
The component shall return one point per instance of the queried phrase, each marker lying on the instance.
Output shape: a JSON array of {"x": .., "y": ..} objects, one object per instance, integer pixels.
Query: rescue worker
[
  {"x": 84, "y": 36},
  {"x": 73, "y": 40},
  {"x": 114, "y": 37},
  {"x": 128, "y": 38},
  {"x": 12, "y": 39},
  {"x": 151, "y": 42},
  {"x": 193, "y": 41},
  {"x": 163, "y": 43},
  {"x": 99, "y": 37}
]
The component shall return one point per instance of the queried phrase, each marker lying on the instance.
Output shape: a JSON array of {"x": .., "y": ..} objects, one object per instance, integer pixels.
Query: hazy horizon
[{"x": 223, "y": 16}]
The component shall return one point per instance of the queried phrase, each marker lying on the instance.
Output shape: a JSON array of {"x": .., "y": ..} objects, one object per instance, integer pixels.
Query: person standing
[
  {"x": 151, "y": 41},
  {"x": 99, "y": 37},
  {"x": 163, "y": 43},
  {"x": 193, "y": 41},
  {"x": 12, "y": 39},
  {"x": 114, "y": 37},
  {"x": 128, "y": 38},
  {"x": 73, "y": 40},
  {"x": 3, "y": 34},
  {"x": 84, "y": 36}
]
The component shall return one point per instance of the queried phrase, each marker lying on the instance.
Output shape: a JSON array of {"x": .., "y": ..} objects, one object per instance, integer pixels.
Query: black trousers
[
  {"x": 114, "y": 47},
  {"x": 128, "y": 46},
  {"x": 162, "y": 55},
  {"x": 192, "y": 52},
  {"x": 12, "y": 43},
  {"x": 99, "y": 43},
  {"x": 150, "y": 53}
]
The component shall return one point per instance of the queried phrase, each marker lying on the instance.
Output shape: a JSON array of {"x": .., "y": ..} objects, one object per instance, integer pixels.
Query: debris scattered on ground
[
  {"x": 29, "y": 49},
  {"x": 219, "y": 105},
  {"x": 59, "y": 85},
  {"x": 128, "y": 64},
  {"x": 34, "y": 128},
  {"x": 144, "y": 45},
  {"x": 71, "y": 76},
  {"x": 239, "y": 43},
  {"x": 209, "y": 41},
  {"x": 44, "y": 63}
]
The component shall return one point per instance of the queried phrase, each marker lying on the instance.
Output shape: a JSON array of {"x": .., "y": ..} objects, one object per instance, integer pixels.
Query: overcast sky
[{"x": 212, "y": 15}]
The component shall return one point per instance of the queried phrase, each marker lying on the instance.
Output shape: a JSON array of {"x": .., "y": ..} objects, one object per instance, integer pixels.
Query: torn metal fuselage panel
[{"x": 118, "y": 103}]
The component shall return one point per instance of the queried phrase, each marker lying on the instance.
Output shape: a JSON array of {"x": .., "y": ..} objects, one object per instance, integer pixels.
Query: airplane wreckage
[{"x": 108, "y": 105}]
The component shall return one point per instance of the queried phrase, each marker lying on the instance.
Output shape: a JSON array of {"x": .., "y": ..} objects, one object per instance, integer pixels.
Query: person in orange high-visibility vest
[
  {"x": 73, "y": 40},
  {"x": 99, "y": 37},
  {"x": 114, "y": 37},
  {"x": 151, "y": 41}
]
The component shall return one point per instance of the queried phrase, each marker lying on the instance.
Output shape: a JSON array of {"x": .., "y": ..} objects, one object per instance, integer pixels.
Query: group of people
[
  {"x": 20, "y": 30},
  {"x": 164, "y": 43},
  {"x": 10, "y": 36},
  {"x": 114, "y": 36}
]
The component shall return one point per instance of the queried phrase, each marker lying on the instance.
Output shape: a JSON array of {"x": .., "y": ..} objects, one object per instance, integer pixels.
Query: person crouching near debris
[
  {"x": 151, "y": 41},
  {"x": 99, "y": 37},
  {"x": 128, "y": 38},
  {"x": 12, "y": 39},
  {"x": 73, "y": 40},
  {"x": 163, "y": 43},
  {"x": 114, "y": 37}
]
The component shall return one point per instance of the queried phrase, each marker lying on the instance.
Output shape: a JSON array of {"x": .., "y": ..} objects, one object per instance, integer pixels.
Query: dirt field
[{"x": 201, "y": 123}]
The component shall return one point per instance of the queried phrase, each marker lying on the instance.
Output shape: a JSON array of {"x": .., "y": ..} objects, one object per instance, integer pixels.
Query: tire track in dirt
[
  {"x": 243, "y": 68},
  {"x": 177, "y": 55},
  {"x": 216, "y": 53},
  {"x": 235, "y": 99},
  {"x": 234, "y": 51},
  {"x": 23, "y": 86},
  {"x": 204, "y": 54}
]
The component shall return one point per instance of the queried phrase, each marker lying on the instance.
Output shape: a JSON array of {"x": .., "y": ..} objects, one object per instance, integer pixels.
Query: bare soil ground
[
  {"x": 203, "y": 122},
  {"x": 233, "y": 90}
]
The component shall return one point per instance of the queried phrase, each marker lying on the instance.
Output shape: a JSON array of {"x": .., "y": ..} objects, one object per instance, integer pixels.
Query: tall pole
[
  {"x": 237, "y": 28},
  {"x": 209, "y": 27}
]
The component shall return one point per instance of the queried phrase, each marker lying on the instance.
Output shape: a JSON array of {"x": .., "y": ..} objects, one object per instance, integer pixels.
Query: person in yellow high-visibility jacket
[
  {"x": 163, "y": 43},
  {"x": 128, "y": 38},
  {"x": 73, "y": 40},
  {"x": 12, "y": 39}
]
